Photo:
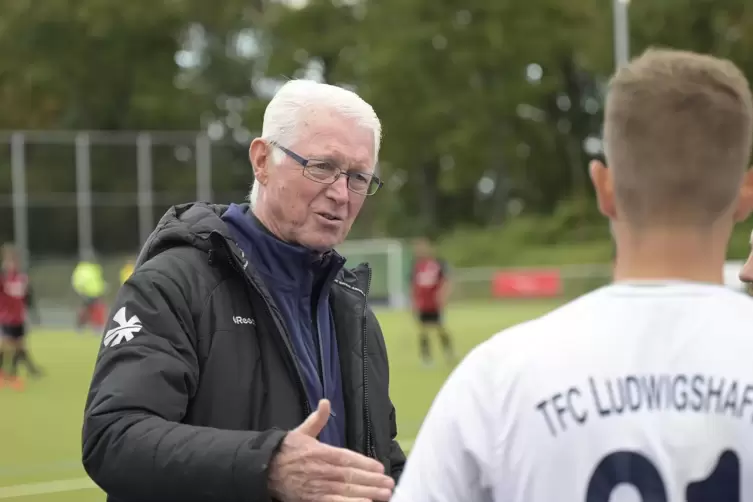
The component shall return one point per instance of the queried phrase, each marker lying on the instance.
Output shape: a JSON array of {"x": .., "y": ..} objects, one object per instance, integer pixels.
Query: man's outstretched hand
[{"x": 305, "y": 470}]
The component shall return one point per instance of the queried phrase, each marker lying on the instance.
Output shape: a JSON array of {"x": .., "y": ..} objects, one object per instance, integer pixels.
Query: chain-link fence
[
  {"x": 476, "y": 283},
  {"x": 66, "y": 194}
]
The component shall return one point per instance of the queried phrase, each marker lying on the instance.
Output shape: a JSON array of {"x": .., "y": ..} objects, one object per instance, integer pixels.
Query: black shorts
[
  {"x": 430, "y": 317},
  {"x": 14, "y": 331}
]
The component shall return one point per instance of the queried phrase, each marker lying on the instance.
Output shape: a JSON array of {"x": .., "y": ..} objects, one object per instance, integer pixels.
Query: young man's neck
[{"x": 679, "y": 254}]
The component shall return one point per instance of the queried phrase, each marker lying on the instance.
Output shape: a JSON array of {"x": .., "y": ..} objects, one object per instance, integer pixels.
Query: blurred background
[{"x": 111, "y": 112}]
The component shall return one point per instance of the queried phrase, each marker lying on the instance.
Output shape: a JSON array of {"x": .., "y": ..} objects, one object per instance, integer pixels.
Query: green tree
[{"x": 487, "y": 105}]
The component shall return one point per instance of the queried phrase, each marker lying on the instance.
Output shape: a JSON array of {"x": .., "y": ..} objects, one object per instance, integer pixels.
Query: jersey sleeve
[{"x": 453, "y": 454}]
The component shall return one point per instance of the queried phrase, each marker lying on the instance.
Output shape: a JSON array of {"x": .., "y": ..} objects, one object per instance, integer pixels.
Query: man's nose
[{"x": 338, "y": 191}]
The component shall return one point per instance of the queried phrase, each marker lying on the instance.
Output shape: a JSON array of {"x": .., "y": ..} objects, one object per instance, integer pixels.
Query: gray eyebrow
[
  {"x": 337, "y": 162},
  {"x": 324, "y": 158}
]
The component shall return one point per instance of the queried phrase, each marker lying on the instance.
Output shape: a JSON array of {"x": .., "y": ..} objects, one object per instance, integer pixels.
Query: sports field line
[
  {"x": 59, "y": 486},
  {"x": 71, "y": 485}
]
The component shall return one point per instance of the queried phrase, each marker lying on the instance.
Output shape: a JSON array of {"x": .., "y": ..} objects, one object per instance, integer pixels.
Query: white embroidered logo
[
  {"x": 243, "y": 320},
  {"x": 125, "y": 330}
]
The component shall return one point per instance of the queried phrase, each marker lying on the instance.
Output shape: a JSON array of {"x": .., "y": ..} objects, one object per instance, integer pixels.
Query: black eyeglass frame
[{"x": 374, "y": 182}]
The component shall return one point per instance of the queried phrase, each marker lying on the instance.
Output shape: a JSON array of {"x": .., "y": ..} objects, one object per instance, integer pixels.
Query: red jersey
[
  {"x": 14, "y": 291},
  {"x": 429, "y": 274}
]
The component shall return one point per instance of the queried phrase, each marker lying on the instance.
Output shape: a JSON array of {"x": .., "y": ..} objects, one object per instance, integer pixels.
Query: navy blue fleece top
[{"x": 299, "y": 281}]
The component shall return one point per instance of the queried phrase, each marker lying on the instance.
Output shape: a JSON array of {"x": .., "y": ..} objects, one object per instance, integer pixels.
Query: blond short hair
[{"x": 678, "y": 131}]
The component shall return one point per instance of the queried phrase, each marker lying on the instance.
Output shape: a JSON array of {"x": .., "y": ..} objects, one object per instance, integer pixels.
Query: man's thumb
[{"x": 315, "y": 422}]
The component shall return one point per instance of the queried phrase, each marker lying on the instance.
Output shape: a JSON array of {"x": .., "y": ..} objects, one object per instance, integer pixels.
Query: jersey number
[{"x": 627, "y": 467}]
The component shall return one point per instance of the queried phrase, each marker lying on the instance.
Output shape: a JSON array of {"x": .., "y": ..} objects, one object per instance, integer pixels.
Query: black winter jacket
[{"x": 195, "y": 383}]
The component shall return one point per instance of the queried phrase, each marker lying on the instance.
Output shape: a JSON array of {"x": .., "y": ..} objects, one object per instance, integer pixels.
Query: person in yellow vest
[
  {"x": 126, "y": 270},
  {"x": 89, "y": 283}
]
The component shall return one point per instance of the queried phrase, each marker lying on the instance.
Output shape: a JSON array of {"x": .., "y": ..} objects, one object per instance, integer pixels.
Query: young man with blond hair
[{"x": 643, "y": 389}]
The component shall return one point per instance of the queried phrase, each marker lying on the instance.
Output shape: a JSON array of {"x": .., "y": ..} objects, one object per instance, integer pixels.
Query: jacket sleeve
[
  {"x": 134, "y": 446},
  {"x": 397, "y": 456}
]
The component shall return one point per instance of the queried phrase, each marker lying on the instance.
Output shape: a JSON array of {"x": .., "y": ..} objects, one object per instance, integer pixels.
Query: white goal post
[{"x": 387, "y": 258}]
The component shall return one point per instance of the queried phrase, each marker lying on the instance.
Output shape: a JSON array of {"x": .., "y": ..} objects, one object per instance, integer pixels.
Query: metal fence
[
  {"x": 71, "y": 193},
  {"x": 64, "y": 194}
]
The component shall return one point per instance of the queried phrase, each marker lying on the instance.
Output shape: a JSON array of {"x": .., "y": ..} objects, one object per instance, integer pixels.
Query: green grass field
[{"x": 41, "y": 426}]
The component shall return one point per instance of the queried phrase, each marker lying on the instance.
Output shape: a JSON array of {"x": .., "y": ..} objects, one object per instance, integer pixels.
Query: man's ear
[
  {"x": 258, "y": 154},
  {"x": 603, "y": 183},
  {"x": 745, "y": 199}
]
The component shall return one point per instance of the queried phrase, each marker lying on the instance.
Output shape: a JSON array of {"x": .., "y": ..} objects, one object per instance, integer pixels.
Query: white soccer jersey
[{"x": 635, "y": 392}]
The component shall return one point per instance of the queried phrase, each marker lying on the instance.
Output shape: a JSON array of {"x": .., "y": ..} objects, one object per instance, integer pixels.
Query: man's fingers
[
  {"x": 315, "y": 422},
  {"x": 353, "y": 476},
  {"x": 353, "y": 459},
  {"x": 355, "y": 493},
  {"x": 365, "y": 492},
  {"x": 347, "y": 458},
  {"x": 340, "y": 498}
]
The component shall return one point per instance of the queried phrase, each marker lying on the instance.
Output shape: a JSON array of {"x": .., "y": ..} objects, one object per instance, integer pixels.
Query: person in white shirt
[{"x": 641, "y": 390}]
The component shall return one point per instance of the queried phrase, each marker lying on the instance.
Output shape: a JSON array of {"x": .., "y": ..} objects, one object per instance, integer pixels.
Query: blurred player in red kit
[
  {"x": 431, "y": 288},
  {"x": 15, "y": 300}
]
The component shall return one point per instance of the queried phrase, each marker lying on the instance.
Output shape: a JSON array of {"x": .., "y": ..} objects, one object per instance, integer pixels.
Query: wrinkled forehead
[{"x": 332, "y": 137}]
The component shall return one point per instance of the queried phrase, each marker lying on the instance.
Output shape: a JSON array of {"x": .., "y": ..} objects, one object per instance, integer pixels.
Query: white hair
[{"x": 288, "y": 107}]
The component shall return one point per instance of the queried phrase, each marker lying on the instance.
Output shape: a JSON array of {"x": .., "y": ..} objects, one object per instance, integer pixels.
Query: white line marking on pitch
[
  {"x": 62, "y": 485},
  {"x": 70, "y": 485}
]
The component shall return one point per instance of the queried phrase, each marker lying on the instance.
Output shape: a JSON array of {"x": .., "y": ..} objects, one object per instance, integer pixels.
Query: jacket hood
[
  {"x": 193, "y": 223},
  {"x": 189, "y": 224}
]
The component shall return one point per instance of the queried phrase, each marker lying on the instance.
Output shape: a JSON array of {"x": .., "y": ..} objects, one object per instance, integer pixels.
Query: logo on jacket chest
[{"x": 243, "y": 320}]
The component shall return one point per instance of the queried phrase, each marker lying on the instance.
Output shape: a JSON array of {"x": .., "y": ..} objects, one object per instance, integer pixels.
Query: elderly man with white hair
[{"x": 242, "y": 361}]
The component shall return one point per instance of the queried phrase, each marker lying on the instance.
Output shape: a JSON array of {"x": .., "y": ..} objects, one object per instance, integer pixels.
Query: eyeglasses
[{"x": 327, "y": 173}]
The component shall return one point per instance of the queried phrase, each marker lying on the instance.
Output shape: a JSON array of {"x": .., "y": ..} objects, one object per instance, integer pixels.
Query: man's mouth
[{"x": 330, "y": 216}]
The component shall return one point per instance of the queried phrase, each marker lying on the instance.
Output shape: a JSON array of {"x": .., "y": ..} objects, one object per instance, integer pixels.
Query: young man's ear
[
  {"x": 745, "y": 199},
  {"x": 258, "y": 154},
  {"x": 602, "y": 180}
]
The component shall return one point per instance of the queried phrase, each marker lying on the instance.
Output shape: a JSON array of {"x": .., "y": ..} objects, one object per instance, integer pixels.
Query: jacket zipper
[
  {"x": 298, "y": 378},
  {"x": 316, "y": 325},
  {"x": 370, "y": 449},
  {"x": 322, "y": 369}
]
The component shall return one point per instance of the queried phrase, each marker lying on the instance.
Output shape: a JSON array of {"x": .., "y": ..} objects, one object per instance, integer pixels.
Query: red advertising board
[{"x": 534, "y": 283}]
